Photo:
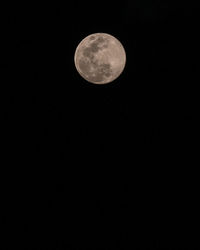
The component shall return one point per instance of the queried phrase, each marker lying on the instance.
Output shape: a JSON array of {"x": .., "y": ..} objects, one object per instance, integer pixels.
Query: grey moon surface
[{"x": 100, "y": 58}]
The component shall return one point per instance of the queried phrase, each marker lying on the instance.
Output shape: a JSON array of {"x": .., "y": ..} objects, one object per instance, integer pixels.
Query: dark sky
[{"x": 100, "y": 167}]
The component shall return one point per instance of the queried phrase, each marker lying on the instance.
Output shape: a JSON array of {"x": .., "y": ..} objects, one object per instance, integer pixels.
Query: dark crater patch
[
  {"x": 84, "y": 66},
  {"x": 100, "y": 40},
  {"x": 100, "y": 73},
  {"x": 105, "y": 69},
  {"x": 92, "y": 37},
  {"x": 87, "y": 52},
  {"x": 94, "y": 47}
]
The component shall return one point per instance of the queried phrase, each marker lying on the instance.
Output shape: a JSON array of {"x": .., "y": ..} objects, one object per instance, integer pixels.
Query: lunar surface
[{"x": 100, "y": 58}]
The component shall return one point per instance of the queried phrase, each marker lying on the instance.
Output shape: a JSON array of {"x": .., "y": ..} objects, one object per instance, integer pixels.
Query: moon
[{"x": 100, "y": 58}]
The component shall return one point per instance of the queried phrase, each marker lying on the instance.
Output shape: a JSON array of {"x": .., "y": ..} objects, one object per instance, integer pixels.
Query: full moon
[{"x": 100, "y": 58}]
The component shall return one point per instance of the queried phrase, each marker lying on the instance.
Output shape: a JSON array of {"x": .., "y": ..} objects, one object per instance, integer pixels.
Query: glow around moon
[{"x": 100, "y": 58}]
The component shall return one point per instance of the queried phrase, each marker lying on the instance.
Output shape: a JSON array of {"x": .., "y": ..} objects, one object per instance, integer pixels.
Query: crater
[
  {"x": 84, "y": 66},
  {"x": 100, "y": 39},
  {"x": 91, "y": 50},
  {"x": 105, "y": 69},
  {"x": 92, "y": 37},
  {"x": 87, "y": 52},
  {"x": 94, "y": 47}
]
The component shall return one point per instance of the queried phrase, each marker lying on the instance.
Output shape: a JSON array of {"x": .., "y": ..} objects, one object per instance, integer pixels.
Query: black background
[{"x": 100, "y": 167}]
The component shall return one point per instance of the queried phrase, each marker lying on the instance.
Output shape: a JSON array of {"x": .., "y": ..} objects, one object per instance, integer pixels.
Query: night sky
[{"x": 89, "y": 166}]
